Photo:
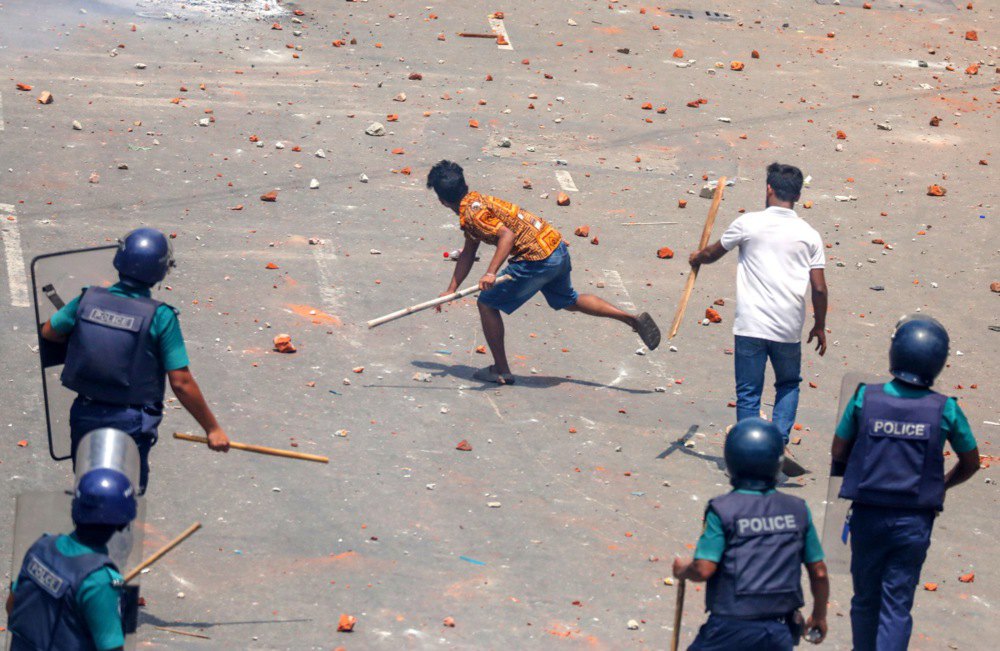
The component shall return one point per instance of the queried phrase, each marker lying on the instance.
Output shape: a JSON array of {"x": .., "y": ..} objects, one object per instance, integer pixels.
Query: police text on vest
[{"x": 770, "y": 524}]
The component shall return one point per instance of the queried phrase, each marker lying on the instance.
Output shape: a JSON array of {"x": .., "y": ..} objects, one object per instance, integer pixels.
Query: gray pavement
[{"x": 595, "y": 496}]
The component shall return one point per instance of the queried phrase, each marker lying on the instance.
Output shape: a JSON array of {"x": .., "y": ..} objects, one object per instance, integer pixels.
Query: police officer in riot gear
[
  {"x": 751, "y": 552},
  {"x": 122, "y": 347},
  {"x": 889, "y": 447},
  {"x": 67, "y": 595}
]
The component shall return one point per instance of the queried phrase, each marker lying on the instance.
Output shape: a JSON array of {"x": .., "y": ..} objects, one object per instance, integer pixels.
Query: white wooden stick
[{"x": 406, "y": 311}]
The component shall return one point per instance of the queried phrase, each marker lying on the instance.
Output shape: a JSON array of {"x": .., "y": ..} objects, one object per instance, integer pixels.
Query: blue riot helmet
[
  {"x": 104, "y": 496},
  {"x": 754, "y": 451},
  {"x": 144, "y": 256},
  {"x": 919, "y": 350}
]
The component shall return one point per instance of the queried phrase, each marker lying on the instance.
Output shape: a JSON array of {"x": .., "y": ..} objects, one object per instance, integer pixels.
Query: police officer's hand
[
  {"x": 815, "y": 624},
  {"x": 681, "y": 565},
  {"x": 819, "y": 334},
  {"x": 487, "y": 281},
  {"x": 218, "y": 441}
]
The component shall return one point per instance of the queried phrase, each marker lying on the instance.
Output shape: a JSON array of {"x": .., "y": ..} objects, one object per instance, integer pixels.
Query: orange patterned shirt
[{"x": 481, "y": 217}]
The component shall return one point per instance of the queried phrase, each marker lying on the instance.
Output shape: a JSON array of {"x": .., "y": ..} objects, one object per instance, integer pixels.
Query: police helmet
[
  {"x": 919, "y": 350},
  {"x": 754, "y": 451},
  {"x": 104, "y": 496},
  {"x": 144, "y": 256}
]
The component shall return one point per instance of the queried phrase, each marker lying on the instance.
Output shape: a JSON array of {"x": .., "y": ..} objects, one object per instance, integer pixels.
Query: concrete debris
[{"x": 375, "y": 129}]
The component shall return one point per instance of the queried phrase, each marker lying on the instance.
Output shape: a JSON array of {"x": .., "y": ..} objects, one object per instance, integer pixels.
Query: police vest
[
  {"x": 897, "y": 459},
  {"x": 45, "y": 614},
  {"x": 760, "y": 573},
  {"x": 111, "y": 356}
]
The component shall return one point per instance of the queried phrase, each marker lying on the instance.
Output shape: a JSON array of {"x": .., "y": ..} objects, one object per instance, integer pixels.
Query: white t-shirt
[{"x": 777, "y": 250}]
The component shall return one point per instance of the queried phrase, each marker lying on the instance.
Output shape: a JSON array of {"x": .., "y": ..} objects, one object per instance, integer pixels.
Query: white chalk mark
[
  {"x": 16, "y": 276},
  {"x": 495, "y": 408},
  {"x": 615, "y": 282},
  {"x": 565, "y": 180},
  {"x": 496, "y": 24},
  {"x": 1, "y": 112},
  {"x": 330, "y": 296}
]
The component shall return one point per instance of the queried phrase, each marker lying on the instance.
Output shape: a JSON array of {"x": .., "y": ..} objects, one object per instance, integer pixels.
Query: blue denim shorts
[{"x": 550, "y": 276}]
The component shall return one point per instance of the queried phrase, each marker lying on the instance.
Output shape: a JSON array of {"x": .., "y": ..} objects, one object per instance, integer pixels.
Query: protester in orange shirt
[{"x": 539, "y": 262}]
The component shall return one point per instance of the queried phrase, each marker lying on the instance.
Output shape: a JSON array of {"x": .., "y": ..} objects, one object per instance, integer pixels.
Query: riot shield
[
  {"x": 836, "y": 533},
  {"x": 56, "y": 279}
]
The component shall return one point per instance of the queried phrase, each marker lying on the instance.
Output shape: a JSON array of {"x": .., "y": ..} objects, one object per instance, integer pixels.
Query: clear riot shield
[
  {"x": 836, "y": 534},
  {"x": 56, "y": 279}
]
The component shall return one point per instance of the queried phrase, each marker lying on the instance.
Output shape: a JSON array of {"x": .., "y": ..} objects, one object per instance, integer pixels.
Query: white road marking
[
  {"x": 1, "y": 112},
  {"x": 615, "y": 281},
  {"x": 496, "y": 24},
  {"x": 565, "y": 180},
  {"x": 330, "y": 296},
  {"x": 15, "y": 258}
]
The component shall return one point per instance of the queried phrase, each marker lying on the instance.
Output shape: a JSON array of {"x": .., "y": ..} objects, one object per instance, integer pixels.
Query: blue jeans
[
  {"x": 550, "y": 276},
  {"x": 140, "y": 423},
  {"x": 726, "y": 634},
  {"x": 751, "y": 355},
  {"x": 888, "y": 549}
]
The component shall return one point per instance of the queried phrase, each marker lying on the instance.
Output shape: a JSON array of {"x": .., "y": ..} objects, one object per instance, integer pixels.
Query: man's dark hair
[
  {"x": 785, "y": 180},
  {"x": 448, "y": 181}
]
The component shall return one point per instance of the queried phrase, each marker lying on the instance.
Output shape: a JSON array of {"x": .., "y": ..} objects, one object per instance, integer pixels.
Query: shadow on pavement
[{"x": 464, "y": 372}]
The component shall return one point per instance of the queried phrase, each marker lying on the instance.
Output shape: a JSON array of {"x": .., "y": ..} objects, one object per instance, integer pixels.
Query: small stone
[
  {"x": 375, "y": 129},
  {"x": 279, "y": 145},
  {"x": 884, "y": 126},
  {"x": 633, "y": 625},
  {"x": 77, "y": 126},
  {"x": 320, "y": 153},
  {"x": 123, "y": 166},
  {"x": 94, "y": 177},
  {"x": 204, "y": 122},
  {"x": 493, "y": 505},
  {"x": 180, "y": 595},
  {"x": 401, "y": 97},
  {"x": 314, "y": 184},
  {"x": 374, "y": 252},
  {"x": 505, "y": 143},
  {"x": 571, "y": 22},
  {"x": 140, "y": 66},
  {"x": 363, "y": 178},
  {"x": 995, "y": 287}
]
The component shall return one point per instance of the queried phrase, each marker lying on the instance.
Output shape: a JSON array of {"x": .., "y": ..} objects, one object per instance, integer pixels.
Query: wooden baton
[
  {"x": 259, "y": 449},
  {"x": 706, "y": 233},
  {"x": 162, "y": 551},
  {"x": 678, "y": 614},
  {"x": 440, "y": 300}
]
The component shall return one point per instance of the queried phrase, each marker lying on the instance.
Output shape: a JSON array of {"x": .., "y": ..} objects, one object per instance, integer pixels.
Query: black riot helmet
[
  {"x": 919, "y": 350},
  {"x": 754, "y": 451}
]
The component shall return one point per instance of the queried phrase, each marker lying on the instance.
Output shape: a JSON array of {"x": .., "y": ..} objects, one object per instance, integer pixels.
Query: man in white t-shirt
[{"x": 781, "y": 256}]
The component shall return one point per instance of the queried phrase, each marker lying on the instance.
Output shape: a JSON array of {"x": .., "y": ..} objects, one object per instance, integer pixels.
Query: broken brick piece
[
  {"x": 971, "y": 35},
  {"x": 45, "y": 97},
  {"x": 841, "y": 135},
  {"x": 595, "y": 241},
  {"x": 481, "y": 349},
  {"x": 682, "y": 203},
  {"x": 935, "y": 121},
  {"x": 24, "y": 87},
  {"x": 721, "y": 302},
  {"x": 346, "y": 623},
  {"x": 930, "y": 587},
  {"x": 936, "y": 191},
  {"x": 562, "y": 199},
  {"x": 736, "y": 65},
  {"x": 271, "y": 196},
  {"x": 464, "y": 446},
  {"x": 973, "y": 69},
  {"x": 995, "y": 287},
  {"x": 449, "y": 622},
  {"x": 271, "y": 265},
  {"x": 283, "y": 344},
  {"x": 678, "y": 53},
  {"x": 968, "y": 578},
  {"x": 755, "y": 54},
  {"x": 415, "y": 76},
  {"x": 582, "y": 231},
  {"x": 474, "y": 124},
  {"x": 713, "y": 316},
  {"x": 647, "y": 106},
  {"x": 665, "y": 253}
]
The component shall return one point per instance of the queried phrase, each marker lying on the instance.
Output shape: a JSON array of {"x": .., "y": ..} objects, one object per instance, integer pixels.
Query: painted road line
[
  {"x": 614, "y": 281},
  {"x": 496, "y": 24},
  {"x": 330, "y": 296},
  {"x": 16, "y": 276},
  {"x": 565, "y": 180},
  {"x": 1, "y": 111}
]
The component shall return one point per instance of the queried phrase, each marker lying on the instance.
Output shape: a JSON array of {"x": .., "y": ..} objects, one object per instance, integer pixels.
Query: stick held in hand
[
  {"x": 259, "y": 449},
  {"x": 678, "y": 615},
  {"x": 440, "y": 300},
  {"x": 706, "y": 234}
]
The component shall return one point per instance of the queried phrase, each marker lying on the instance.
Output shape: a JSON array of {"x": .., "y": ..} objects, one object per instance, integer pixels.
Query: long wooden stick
[
  {"x": 259, "y": 449},
  {"x": 678, "y": 614},
  {"x": 406, "y": 311},
  {"x": 162, "y": 551},
  {"x": 472, "y": 35},
  {"x": 176, "y": 632},
  {"x": 706, "y": 233}
]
